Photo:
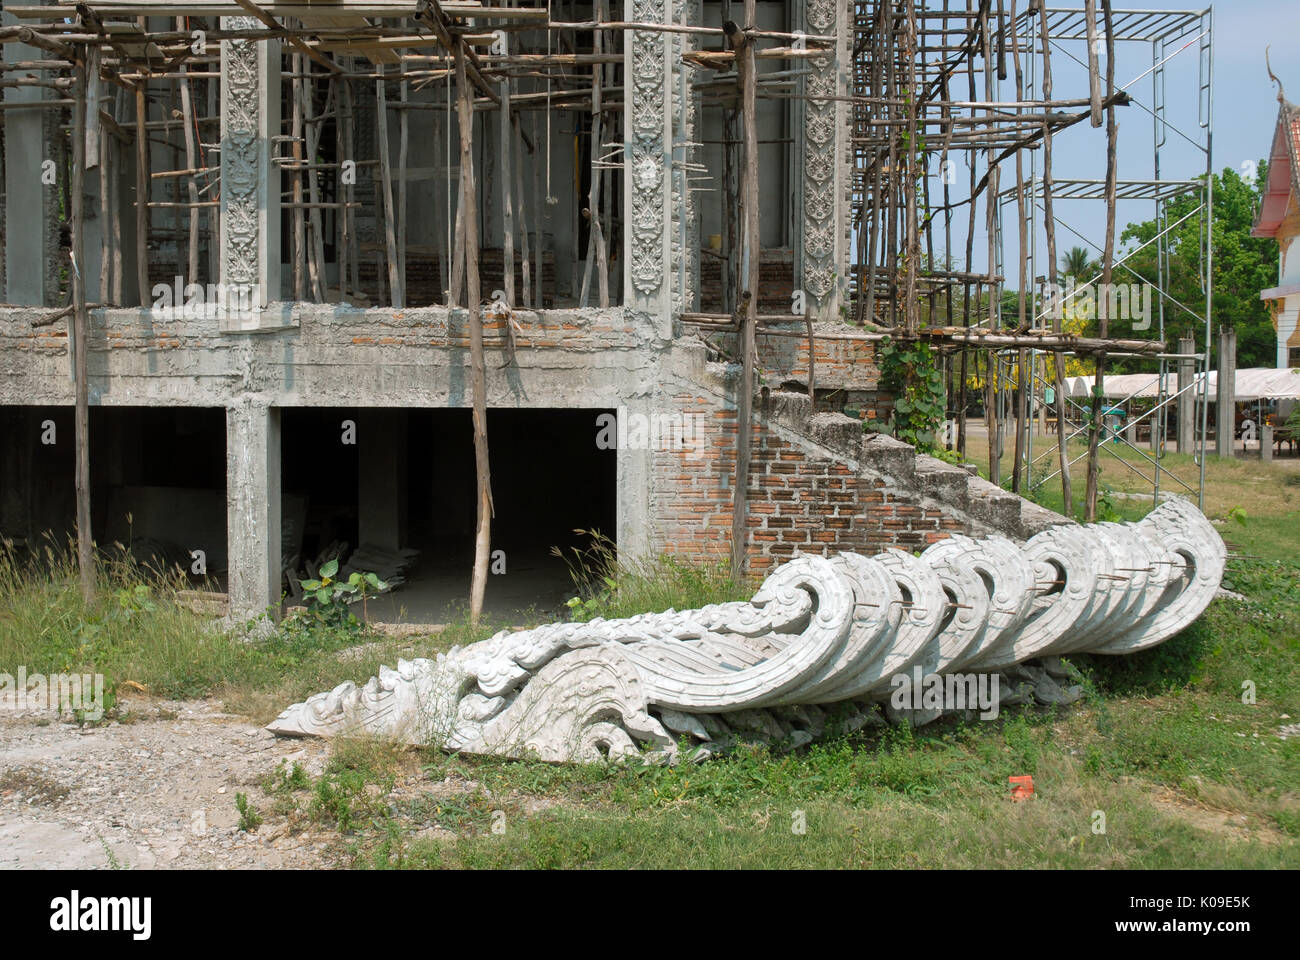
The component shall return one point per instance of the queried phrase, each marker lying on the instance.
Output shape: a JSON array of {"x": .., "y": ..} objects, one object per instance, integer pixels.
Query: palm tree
[{"x": 1076, "y": 263}]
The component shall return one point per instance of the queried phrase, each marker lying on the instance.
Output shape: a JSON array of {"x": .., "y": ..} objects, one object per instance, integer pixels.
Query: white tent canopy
[{"x": 1256, "y": 383}]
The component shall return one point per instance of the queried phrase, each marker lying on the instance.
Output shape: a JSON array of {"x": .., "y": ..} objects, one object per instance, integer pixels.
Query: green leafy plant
[
  {"x": 329, "y": 597},
  {"x": 910, "y": 372},
  {"x": 249, "y": 818}
]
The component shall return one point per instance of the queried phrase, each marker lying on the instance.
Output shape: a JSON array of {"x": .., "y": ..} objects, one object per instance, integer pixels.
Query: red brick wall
[
  {"x": 799, "y": 498},
  {"x": 838, "y": 362}
]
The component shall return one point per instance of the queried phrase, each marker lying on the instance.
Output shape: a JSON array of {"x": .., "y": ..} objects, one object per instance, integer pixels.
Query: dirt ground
[{"x": 154, "y": 790}]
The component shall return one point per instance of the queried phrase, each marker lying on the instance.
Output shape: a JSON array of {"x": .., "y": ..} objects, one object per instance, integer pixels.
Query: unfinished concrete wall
[
  {"x": 818, "y": 482},
  {"x": 32, "y": 190},
  {"x": 305, "y": 355}
]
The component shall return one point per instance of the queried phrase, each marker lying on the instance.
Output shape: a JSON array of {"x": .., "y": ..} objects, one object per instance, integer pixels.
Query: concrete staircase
[{"x": 985, "y": 508}]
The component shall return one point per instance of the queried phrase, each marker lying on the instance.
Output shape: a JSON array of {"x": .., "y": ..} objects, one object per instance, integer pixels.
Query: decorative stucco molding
[
  {"x": 818, "y": 632},
  {"x": 250, "y": 209},
  {"x": 821, "y": 135},
  {"x": 647, "y": 151}
]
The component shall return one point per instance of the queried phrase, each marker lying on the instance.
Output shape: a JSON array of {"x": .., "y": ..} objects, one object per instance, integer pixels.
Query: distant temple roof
[{"x": 1283, "y": 172}]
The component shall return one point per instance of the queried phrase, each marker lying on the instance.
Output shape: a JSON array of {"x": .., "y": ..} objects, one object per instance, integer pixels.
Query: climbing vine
[{"x": 909, "y": 372}]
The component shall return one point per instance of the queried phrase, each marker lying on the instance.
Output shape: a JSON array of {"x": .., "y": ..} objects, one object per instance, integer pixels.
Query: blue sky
[{"x": 1243, "y": 117}]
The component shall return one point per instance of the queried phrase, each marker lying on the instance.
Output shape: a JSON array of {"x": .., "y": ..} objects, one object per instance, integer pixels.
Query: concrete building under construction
[{"x": 275, "y": 274}]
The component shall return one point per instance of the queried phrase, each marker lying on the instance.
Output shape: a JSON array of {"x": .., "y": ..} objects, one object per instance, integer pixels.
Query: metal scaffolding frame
[
  {"x": 930, "y": 83},
  {"x": 1163, "y": 30}
]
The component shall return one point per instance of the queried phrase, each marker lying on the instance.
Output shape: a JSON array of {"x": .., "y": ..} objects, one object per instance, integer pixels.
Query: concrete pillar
[
  {"x": 253, "y": 507},
  {"x": 822, "y": 249},
  {"x": 686, "y": 199},
  {"x": 32, "y": 255},
  {"x": 1266, "y": 442},
  {"x": 381, "y": 479},
  {"x": 250, "y": 211},
  {"x": 647, "y": 148},
  {"x": 1225, "y": 408},
  {"x": 633, "y": 482},
  {"x": 1186, "y": 400}
]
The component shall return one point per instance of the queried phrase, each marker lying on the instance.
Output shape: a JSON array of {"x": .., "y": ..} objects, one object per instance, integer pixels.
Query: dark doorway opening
[
  {"x": 157, "y": 483},
  {"x": 394, "y": 490}
]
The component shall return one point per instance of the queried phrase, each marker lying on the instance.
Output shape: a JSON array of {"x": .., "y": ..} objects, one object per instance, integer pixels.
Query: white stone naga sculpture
[{"x": 818, "y": 632}]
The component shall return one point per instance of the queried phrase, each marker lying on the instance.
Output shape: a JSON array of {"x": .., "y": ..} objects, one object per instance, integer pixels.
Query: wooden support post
[
  {"x": 343, "y": 235},
  {"x": 191, "y": 162},
  {"x": 109, "y": 254},
  {"x": 403, "y": 211},
  {"x": 478, "y": 368},
  {"x": 596, "y": 253},
  {"x": 1107, "y": 269},
  {"x": 312, "y": 133},
  {"x": 441, "y": 206},
  {"x": 507, "y": 199},
  {"x": 386, "y": 173},
  {"x": 299, "y": 248},
  {"x": 1094, "y": 73},
  {"x": 747, "y": 79},
  {"x": 80, "y": 325},
  {"x": 522, "y": 199},
  {"x": 993, "y": 384},
  {"x": 142, "y": 183},
  {"x": 214, "y": 216},
  {"x": 1049, "y": 226},
  {"x": 540, "y": 206},
  {"x": 457, "y": 286},
  {"x": 353, "y": 242},
  {"x": 1024, "y": 378}
]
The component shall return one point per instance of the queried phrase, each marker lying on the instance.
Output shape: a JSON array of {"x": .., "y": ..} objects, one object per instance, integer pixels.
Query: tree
[
  {"x": 1076, "y": 263},
  {"x": 1243, "y": 265}
]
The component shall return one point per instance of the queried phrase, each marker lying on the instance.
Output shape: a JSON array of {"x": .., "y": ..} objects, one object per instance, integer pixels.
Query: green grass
[
  {"x": 611, "y": 587},
  {"x": 1184, "y": 771},
  {"x": 1259, "y": 503},
  {"x": 140, "y": 631}
]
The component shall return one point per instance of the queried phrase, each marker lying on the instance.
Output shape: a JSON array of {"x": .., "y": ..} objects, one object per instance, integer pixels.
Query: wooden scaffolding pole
[
  {"x": 312, "y": 133},
  {"x": 504, "y": 131},
  {"x": 395, "y": 293},
  {"x": 744, "y": 48},
  {"x": 478, "y": 373},
  {"x": 1024, "y": 383},
  {"x": 1049, "y": 225},
  {"x": 403, "y": 148},
  {"x": 1107, "y": 269},
  {"x": 522, "y": 200},
  {"x": 80, "y": 325},
  {"x": 993, "y": 367},
  {"x": 299, "y": 248},
  {"x": 191, "y": 162},
  {"x": 142, "y": 182},
  {"x": 596, "y": 251}
]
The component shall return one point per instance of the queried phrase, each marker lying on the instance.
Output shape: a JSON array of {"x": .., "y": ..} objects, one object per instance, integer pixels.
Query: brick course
[{"x": 798, "y": 498}]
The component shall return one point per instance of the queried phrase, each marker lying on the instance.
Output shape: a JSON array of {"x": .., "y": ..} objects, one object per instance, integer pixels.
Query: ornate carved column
[
  {"x": 825, "y": 148},
  {"x": 647, "y": 144},
  {"x": 250, "y": 186},
  {"x": 685, "y": 215}
]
